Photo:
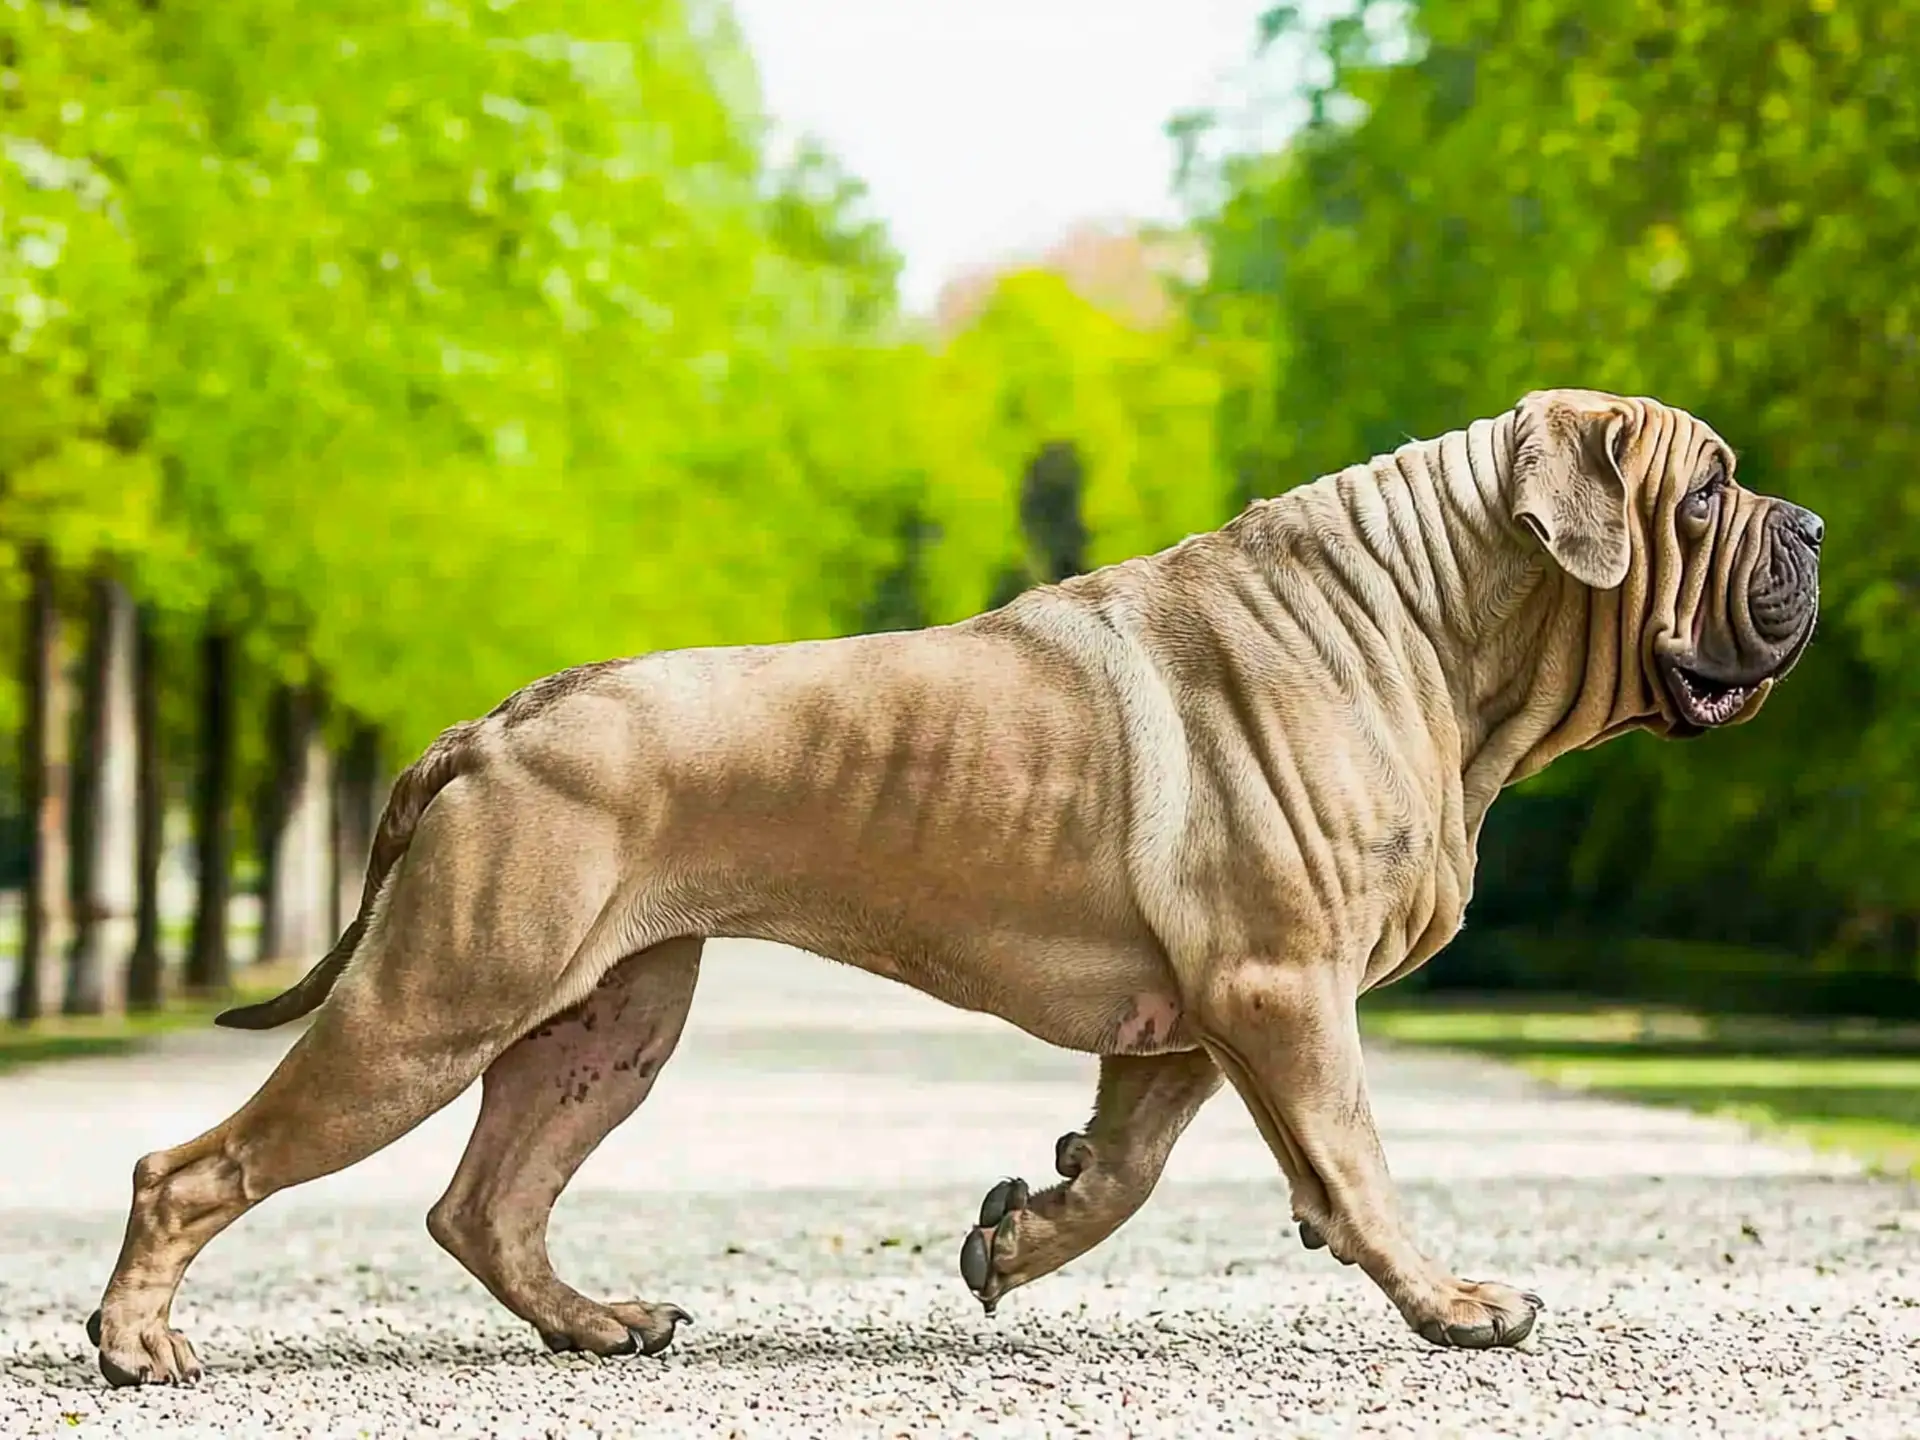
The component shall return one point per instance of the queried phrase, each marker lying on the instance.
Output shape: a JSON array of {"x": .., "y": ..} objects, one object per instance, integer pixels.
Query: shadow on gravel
[
  {"x": 1180, "y": 1341},
  {"x": 413, "y": 1354},
  {"x": 1166, "y": 1343}
]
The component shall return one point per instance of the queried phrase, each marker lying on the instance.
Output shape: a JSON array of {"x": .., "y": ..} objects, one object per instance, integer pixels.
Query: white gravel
[{"x": 801, "y": 1180}]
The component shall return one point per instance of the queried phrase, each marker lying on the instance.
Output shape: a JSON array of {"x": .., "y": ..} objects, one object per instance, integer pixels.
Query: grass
[
  {"x": 66, "y": 1037},
  {"x": 1849, "y": 1086}
]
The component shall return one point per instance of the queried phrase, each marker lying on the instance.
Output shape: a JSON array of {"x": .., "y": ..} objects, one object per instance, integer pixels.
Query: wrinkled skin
[
  {"x": 1746, "y": 602},
  {"x": 1179, "y": 813}
]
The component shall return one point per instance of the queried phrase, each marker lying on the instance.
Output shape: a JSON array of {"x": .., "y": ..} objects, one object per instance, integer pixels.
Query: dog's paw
[
  {"x": 998, "y": 1218},
  {"x": 159, "y": 1356},
  {"x": 627, "y": 1327},
  {"x": 1482, "y": 1316}
]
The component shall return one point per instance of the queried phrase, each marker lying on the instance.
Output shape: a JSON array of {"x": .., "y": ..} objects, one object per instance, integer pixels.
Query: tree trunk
[
  {"x": 209, "y": 964},
  {"x": 43, "y": 782},
  {"x": 269, "y": 810},
  {"x": 1050, "y": 522},
  {"x": 897, "y": 603},
  {"x": 1050, "y": 506},
  {"x": 145, "y": 989},
  {"x": 356, "y": 811},
  {"x": 296, "y": 834},
  {"x": 104, "y": 801}
]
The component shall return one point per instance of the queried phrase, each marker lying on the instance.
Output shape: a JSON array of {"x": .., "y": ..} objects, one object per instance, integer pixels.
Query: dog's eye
[{"x": 1700, "y": 502}]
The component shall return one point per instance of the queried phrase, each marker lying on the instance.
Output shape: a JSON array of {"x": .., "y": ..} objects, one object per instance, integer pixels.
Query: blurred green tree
[
  {"x": 1041, "y": 367},
  {"x": 1712, "y": 203}
]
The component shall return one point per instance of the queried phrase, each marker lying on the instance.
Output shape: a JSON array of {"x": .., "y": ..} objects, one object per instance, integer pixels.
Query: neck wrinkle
[
  {"x": 1504, "y": 625},
  {"x": 1540, "y": 665},
  {"x": 1513, "y": 638}
]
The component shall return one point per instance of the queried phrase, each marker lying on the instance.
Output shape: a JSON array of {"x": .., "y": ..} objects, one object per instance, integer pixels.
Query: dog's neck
[{"x": 1531, "y": 659}]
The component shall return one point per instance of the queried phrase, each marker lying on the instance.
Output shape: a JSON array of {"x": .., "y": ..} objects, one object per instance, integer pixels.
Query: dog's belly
[{"x": 1108, "y": 994}]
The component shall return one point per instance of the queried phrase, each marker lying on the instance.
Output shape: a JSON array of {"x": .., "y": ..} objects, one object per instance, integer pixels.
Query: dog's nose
[{"x": 1804, "y": 523}]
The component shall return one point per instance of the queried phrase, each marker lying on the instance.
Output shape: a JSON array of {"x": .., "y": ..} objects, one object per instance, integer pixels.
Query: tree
[
  {"x": 43, "y": 774},
  {"x": 356, "y": 809},
  {"x": 1037, "y": 367},
  {"x": 144, "y": 984},
  {"x": 209, "y": 956},
  {"x": 1051, "y": 519},
  {"x": 105, "y": 803}
]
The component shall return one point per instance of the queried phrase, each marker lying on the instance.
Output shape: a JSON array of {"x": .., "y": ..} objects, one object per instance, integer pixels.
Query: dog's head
[{"x": 1718, "y": 587}]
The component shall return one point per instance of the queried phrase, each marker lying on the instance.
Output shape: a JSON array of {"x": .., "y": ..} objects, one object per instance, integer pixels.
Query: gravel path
[{"x": 802, "y": 1176}]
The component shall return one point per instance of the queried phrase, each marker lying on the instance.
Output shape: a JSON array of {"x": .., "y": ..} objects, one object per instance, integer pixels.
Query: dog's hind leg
[
  {"x": 546, "y": 1104},
  {"x": 447, "y": 977},
  {"x": 1142, "y": 1106},
  {"x": 348, "y": 1087}
]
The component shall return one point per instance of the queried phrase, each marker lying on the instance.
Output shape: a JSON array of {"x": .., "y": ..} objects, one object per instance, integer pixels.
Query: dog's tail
[{"x": 452, "y": 754}]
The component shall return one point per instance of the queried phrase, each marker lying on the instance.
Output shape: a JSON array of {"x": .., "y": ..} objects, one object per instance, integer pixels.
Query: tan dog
[{"x": 1179, "y": 813}]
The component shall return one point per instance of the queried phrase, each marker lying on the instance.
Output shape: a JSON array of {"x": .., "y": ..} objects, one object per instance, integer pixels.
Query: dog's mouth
[{"x": 1701, "y": 703}]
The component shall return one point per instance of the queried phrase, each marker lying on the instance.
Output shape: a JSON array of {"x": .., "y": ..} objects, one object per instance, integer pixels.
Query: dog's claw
[
  {"x": 558, "y": 1343},
  {"x": 1534, "y": 1300},
  {"x": 674, "y": 1317},
  {"x": 1072, "y": 1153},
  {"x": 649, "y": 1347},
  {"x": 651, "y": 1325},
  {"x": 1002, "y": 1200},
  {"x": 93, "y": 1329}
]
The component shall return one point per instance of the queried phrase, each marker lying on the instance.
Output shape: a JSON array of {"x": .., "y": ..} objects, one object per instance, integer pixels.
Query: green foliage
[
  {"x": 1712, "y": 203},
  {"x": 439, "y": 346},
  {"x": 1042, "y": 364},
  {"x": 72, "y": 295}
]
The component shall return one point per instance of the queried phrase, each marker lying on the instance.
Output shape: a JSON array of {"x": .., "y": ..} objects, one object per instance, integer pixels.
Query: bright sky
[{"x": 988, "y": 127}]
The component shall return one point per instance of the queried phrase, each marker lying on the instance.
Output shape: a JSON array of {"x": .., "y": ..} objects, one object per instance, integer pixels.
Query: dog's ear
[{"x": 1569, "y": 489}]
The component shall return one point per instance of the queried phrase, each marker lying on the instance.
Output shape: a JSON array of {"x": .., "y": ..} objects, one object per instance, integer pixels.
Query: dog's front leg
[
  {"x": 1143, "y": 1104},
  {"x": 1287, "y": 1036}
]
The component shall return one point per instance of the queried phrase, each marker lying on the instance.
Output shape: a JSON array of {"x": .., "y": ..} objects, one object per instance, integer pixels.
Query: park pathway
[{"x": 801, "y": 1179}]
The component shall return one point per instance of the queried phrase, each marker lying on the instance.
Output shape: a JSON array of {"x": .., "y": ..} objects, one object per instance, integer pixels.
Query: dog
[{"x": 1178, "y": 813}]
